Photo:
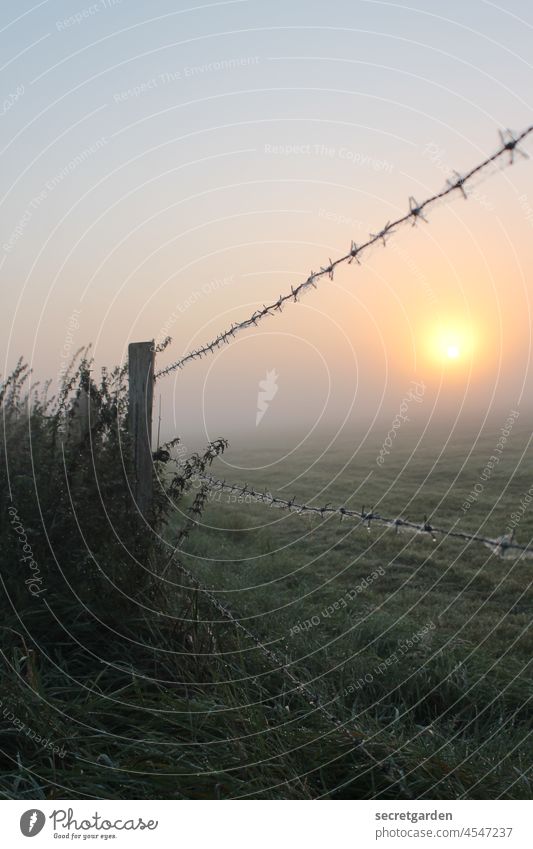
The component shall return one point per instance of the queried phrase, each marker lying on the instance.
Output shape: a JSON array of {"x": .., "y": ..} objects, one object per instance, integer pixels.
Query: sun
[
  {"x": 451, "y": 343},
  {"x": 453, "y": 352}
]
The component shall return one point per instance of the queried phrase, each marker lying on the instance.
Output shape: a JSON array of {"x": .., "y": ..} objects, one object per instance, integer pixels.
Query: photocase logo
[
  {"x": 267, "y": 391},
  {"x": 32, "y": 822}
]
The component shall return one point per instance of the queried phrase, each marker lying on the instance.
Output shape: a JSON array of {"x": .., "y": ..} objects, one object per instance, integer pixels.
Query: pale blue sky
[{"x": 148, "y": 151}]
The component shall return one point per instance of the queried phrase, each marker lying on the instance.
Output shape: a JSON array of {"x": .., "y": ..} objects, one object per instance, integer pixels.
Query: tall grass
[{"x": 115, "y": 684}]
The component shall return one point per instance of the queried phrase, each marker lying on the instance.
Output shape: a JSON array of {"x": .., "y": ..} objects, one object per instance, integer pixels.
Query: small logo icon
[
  {"x": 32, "y": 822},
  {"x": 267, "y": 390}
]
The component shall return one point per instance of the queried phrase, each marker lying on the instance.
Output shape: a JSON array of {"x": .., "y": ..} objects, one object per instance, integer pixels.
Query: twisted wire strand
[
  {"x": 509, "y": 144},
  {"x": 500, "y": 544}
]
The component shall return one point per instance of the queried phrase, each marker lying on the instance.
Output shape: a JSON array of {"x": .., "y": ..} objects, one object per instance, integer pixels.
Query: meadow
[
  {"x": 121, "y": 679},
  {"x": 420, "y": 645}
]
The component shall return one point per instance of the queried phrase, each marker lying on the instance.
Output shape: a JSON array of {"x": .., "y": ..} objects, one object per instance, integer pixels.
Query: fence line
[
  {"x": 509, "y": 144},
  {"x": 500, "y": 544}
]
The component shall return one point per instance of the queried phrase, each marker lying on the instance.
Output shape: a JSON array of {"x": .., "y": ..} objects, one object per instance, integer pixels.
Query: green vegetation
[
  {"x": 138, "y": 687},
  {"x": 450, "y": 714}
]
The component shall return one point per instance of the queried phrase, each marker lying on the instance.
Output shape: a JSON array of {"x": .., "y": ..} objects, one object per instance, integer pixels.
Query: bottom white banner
[{"x": 258, "y": 824}]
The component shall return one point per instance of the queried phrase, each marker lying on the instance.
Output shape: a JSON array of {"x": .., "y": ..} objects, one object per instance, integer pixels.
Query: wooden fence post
[{"x": 141, "y": 392}]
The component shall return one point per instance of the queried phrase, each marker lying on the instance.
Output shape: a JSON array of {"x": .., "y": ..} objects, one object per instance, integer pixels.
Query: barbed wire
[
  {"x": 509, "y": 144},
  {"x": 500, "y": 545},
  {"x": 275, "y": 661}
]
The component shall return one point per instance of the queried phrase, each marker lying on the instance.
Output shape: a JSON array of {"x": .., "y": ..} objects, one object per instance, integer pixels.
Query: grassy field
[
  {"x": 420, "y": 646},
  {"x": 121, "y": 680}
]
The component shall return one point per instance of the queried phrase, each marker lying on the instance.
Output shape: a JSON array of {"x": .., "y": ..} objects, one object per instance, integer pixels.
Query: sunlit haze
[{"x": 168, "y": 171}]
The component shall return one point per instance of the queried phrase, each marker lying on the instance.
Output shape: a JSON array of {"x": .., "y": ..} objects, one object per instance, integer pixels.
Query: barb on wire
[
  {"x": 499, "y": 545},
  {"x": 160, "y": 347},
  {"x": 509, "y": 144}
]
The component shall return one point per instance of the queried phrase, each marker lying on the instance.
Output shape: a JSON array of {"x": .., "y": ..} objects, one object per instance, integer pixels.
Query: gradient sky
[{"x": 170, "y": 170}]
